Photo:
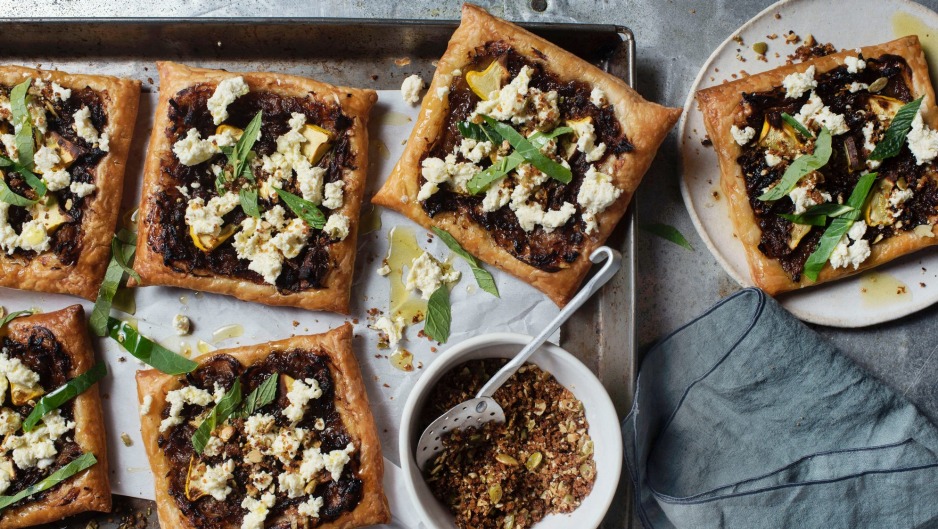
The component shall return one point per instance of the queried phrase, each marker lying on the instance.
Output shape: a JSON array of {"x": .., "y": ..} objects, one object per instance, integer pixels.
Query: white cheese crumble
[
  {"x": 81, "y": 189},
  {"x": 520, "y": 104},
  {"x": 742, "y": 136},
  {"x": 531, "y": 215},
  {"x": 261, "y": 479},
  {"x": 9, "y": 421},
  {"x": 257, "y": 510},
  {"x": 815, "y": 112},
  {"x": 598, "y": 97},
  {"x": 334, "y": 195},
  {"x": 299, "y": 396},
  {"x": 474, "y": 151},
  {"x": 225, "y": 94},
  {"x": 336, "y": 460},
  {"x": 393, "y": 328},
  {"x": 57, "y": 180},
  {"x": 923, "y": 141},
  {"x": 772, "y": 160},
  {"x": 292, "y": 483},
  {"x": 214, "y": 480},
  {"x": 178, "y": 398},
  {"x": 442, "y": 92},
  {"x": 60, "y": 93},
  {"x": 181, "y": 324},
  {"x": 146, "y": 404},
  {"x": 206, "y": 219},
  {"x": 213, "y": 447},
  {"x": 854, "y": 64},
  {"x": 436, "y": 171},
  {"x": 36, "y": 448},
  {"x": 796, "y": 84},
  {"x": 856, "y": 87},
  {"x": 384, "y": 270},
  {"x": 16, "y": 372},
  {"x": 193, "y": 150},
  {"x": 804, "y": 197},
  {"x": 337, "y": 227},
  {"x": 426, "y": 274},
  {"x": 45, "y": 159},
  {"x": 496, "y": 196},
  {"x": 311, "y": 507},
  {"x": 597, "y": 192},
  {"x": 287, "y": 442},
  {"x": 85, "y": 128},
  {"x": 411, "y": 88},
  {"x": 586, "y": 139},
  {"x": 848, "y": 253}
]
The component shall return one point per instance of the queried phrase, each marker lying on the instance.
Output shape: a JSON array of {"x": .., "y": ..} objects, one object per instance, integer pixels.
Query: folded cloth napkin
[{"x": 746, "y": 418}]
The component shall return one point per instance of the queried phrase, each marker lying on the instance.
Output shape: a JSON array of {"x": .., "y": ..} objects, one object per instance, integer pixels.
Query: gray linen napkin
[{"x": 746, "y": 418}]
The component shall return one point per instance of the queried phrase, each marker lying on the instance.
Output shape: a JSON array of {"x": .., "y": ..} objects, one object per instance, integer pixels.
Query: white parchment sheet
[{"x": 520, "y": 309}]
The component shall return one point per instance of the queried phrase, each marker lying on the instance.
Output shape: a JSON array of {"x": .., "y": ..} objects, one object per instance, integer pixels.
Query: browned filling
[
  {"x": 66, "y": 240},
  {"x": 551, "y": 251},
  {"x": 206, "y": 512},
  {"x": 841, "y": 173},
  {"x": 170, "y": 236},
  {"x": 42, "y": 353}
]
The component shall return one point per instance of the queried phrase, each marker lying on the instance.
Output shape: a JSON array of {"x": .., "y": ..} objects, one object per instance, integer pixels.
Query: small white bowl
[{"x": 571, "y": 373}]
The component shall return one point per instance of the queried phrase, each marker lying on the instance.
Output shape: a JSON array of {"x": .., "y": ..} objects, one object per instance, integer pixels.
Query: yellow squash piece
[
  {"x": 884, "y": 107},
  {"x": 48, "y": 211},
  {"x": 21, "y": 395},
  {"x": 207, "y": 243},
  {"x": 67, "y": 151},
  {"x": 235, "y": 132},
  {"x": 877, "y": 212},
  {"x": 798, "y": 231},
  {"x": 781, "y": 140},
  {"x": 487, "y": 81},
  {"x": 318, "y": 141},
  {"x": 193, "y": 492}
]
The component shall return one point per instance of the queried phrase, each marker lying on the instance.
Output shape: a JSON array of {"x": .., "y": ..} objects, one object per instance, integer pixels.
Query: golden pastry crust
[
  {"x": 720, "y": 106},
  {"x": 355, "y": 103},
  {"x": 89, "y": 490},
  {"x": 645, "y": 123},
  {"x": 45, "y": 273},
  {"x": 351, "y": 402}
]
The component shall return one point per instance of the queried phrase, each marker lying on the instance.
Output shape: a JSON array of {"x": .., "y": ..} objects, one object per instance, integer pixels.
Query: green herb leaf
[
  {"x": 801, "y": 167},
  {"x": 5, "y": 162},
  {"x": 121, "y": 257},
  {"x": 807, "y": 220},
  {"x": 126, "y": 236},
  {"x": 795, "y": 124},
  {"x": 668, "y": 232},
  {"x": 101, "y": 312},
  {"x": 82, "y": 462},
  {"x": 13, "y": 315},
  {"x": 148, "y": 351},
  {"x": 530, "y": 152},
  {"x": 32, "y": 180},
  {"x": 64, "y": 393},
  {"x": 7, "y": 195},
  {"x": 21, "y": 121},
  {"x": 303, "y": 209},
  {"x": 219, "y": 414},
  {"x": 817, "y": 215},
  {"x": 483, "y": 179},
  {"x": 249, "y": 202},
  {"x": 471, "y": 131},
  {"x": 484, "y": 279},
  {"x": 439, "y": 315},
  {"x": 244, "y": 145},
  {"x": 896, "y": 133},
  {"x": 838, "y": 228},
  {"x": 261, "y": 396}
]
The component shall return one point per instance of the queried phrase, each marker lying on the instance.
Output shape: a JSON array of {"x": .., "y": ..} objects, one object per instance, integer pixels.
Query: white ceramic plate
[
  {"x": 858, "y": 301},
  {"x": 572, "y": 374}
]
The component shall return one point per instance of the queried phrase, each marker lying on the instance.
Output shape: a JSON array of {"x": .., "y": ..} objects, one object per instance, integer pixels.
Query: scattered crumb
[
  {"x": 402, "y": 61},
  {"x": 792, "y": 38},
  {"x": 922, "y": 285},
  {"x": 739, "y": 40},
  {"x": 778, "y": 16},
  {"x": 126, "y": 439},
  {"x": 296, "y": 323},
  {"x": 772, "y": 36},
  {"x": 706, "y": 142}
]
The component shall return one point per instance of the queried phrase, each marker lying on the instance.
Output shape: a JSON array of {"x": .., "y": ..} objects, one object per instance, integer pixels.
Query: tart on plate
[
  {"x": 270, "y": 216},
  {"x": 525, "y": 153},
  {"x": 822, "y": 218},
  {"x": 41, "y": 353},
  {"x": 307, "y": 455},
  {"x": 61, "y": 188}
]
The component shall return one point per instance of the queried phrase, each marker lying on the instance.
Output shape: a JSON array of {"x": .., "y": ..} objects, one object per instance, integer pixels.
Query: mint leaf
[
  {"x": 303, "y": 209},
  {"x": 219, "y": 414},
  {"x": 439, "y": 315},
  {"x": 262, "y": 395},
  {"x": 82, "y": 462},
  {"x": 787, "y": 118},
  {"x": 63, "y": 394},
  {"x": 530, "y": 152},
  {"x": 148, "y": 351},
  {"x": 484, "y": 279},
  {"x": 801, "y": 167},
  {"x": 897, "y": 132},
  {"x": 669, "y": 233}
]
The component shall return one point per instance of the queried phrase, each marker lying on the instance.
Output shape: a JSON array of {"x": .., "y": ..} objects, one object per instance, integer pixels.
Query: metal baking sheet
[{"x": 369, "y": 53}]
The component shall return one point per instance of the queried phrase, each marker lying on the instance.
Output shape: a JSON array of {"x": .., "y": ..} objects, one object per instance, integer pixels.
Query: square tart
[
  {"x": 554, "y": 262},
  {"x": 80, "y": 244},
  {"x": 326, "y": 357},
  {"x": 320, "y": 276},
  {"x": 64, "y": 333},
  {"x": 723, "y": 108}
]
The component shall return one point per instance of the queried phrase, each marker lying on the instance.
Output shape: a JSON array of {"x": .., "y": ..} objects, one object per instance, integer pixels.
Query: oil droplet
[
  {"x": 371, "y": 221},
  {"x": 185, "y": 349},
  {"x": 404, "y": 250},
  {"x": 908, "y": 24},
  {"x": 878, "y": 289},
  {"x": 228, "y": 331},
  {"x": 402, "y": 359},
  {"x": 379, "y": 149},
  {"x": 125, "y": 300},
  {"x": 184, "y": 300},
  {"x": 394, "y": 118},
  {"x": 204, "y": 347}
]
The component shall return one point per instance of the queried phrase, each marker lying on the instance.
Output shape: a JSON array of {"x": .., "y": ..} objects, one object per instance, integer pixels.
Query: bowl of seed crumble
[{"x": 554, "y": 463}]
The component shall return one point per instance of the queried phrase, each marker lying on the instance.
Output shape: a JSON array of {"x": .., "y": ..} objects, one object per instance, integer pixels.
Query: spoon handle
[{"x": 613, "y": 263}]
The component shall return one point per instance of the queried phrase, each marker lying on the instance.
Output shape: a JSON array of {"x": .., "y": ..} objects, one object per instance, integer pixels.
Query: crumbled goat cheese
[
  {"x": 854, "y": 64},
  {"x": 803, "y": 198},
  {"x": 742, "y": 136},
  {"x": 496, "y": 196},
  {"x": 531, "y": 215},
  {"x": 598, "y": 97},
  {"x": 411, "y": 88},
  {"x": 426, "y": 274},
  {"x": 334, "y": 195},
  {"x": 146, "y": 404},
  {"x": 45, "y": 159},
  {"x": 772, "y": 160},
  {"x": 214, "y": 480},
  {"x": 337, "y": 227},
  {"x": 311, "y": 507},
  {"x": 257, "y": 510},
  {"x": 597, "y": 192},
  {"x": 9, "y": 422},
  {"x": 287, "y": 442},
  {"x": 923, "y": 141},
  {"x": 206, "y": 219},
  {"x": 292, "y": 483},
  {"x": 436, "y": 171},
  {"x": 508, "y": 102},
  {"x": 474, "y": 151},
  {"x": 586, "y": 139},
  {"x": 213, "y": 447},
  {"x": 181, "y": 324},
  {"x": 36, "y": 448},
  {"x": 60, "y": 93},
  {"x": 814, "y": 112},
  {"x": 178, "y": 398},
  {"x": 299, "y": 396},
  {"x": 85, "y": 128},
  {"x": 81, "y": 189},
  {"x": 57, "y": 180},
  {"x": 848, "y": 253},
  {"x": 856, "y": 87},
  {"x": 225, "y": 94},
  {"x": 797, "y": 84},
  {"x": 261, "y": 479},
  {"x": 336, "y": 460},
  {"x": 394, "y": 329},
  {"x": 193, "y": 150},
  {"x": 442, "y": 92},
  {"x": 17, "y": 373}
]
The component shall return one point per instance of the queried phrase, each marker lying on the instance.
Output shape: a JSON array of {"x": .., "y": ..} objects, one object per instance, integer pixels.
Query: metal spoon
[{"x": 483, "y": 409}]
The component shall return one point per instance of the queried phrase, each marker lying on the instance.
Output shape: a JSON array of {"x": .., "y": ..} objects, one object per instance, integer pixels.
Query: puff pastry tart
[
  {"x": 270, "y": 216},
  {"x": 64, "y": 141},
  {"x": 307, "y": 455},
  {"x": 525, "y": 153},
  {"x": 828, "y": 165},
  {"x": 39, "y": 354}
]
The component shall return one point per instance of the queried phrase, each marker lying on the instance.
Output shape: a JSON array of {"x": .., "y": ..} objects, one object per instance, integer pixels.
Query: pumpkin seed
[
  {"x": 506, "y": 459},
  {"x": 495, "y": 493},
  {"x": 534, "y": 461},
  {"x": 878, "y": 85},
  {"x": 760, "y": 48}
]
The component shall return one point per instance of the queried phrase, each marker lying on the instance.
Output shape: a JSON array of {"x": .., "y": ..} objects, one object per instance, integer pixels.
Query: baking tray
[{"x": 370, "y": 53}]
